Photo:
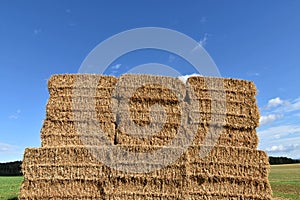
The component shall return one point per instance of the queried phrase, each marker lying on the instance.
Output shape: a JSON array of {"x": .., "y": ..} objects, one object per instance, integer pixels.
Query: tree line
[
  {"x": 11, "y": 168},
  {"x": 282, "y": 160}
]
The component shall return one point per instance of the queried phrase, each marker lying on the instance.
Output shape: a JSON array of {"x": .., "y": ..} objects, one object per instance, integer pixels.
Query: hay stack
[{"x": 63, "y": 168}]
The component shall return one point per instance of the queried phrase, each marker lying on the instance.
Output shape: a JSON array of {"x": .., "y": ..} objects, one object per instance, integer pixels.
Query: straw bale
[
  {"x": 69, "y": 116},
  {"x": 139, "y": 79},
  {"x": 225, "y": 136},
  {"x": 208, "y": 196},
  {"x": 69, "y": 103},
  {"x": 143, "y": 195},
  {"x": 216, "y": 186},
  {"x": 73, "y": 140},
  {"x": 233, "y": 121},
  {"x": 156, "y": 196},
  {"x": 145, "y": 105},
  {"x": 68, "y": 80},
  {"x": 61, "y": 188},
  {"x": 70, "y": 128},
  {"x": 161, "y": 137},
  {"x": 95, "y": 172},
  {"x": 85, "y": 190},
  {"x": 174, "y": 171},
  {"x": 100, "y": 92},
  {"x": 58, "y": 155},
  {"x": 82, "y": 154},
  {"x": 143, "y": 118},
  {"x": 226, "y": 169},
  {"x": 136, "y": 184},
  {"x": 230, "y": 108},
  {"x": 228, "y": 96},
  {"x": 57, "y": 133},
  {"x": 141, "y": 149},
  {"x": 119, "y": 196},
  {"x": 69, "y": 164},
  {"x": 145, "y": 112},
  {"x": 64, "y": 85},
  {"x": 150, "y": 87},
  {"x": 228, "y": 155},
  {"x": 226, "y": 84},
  {"x": 79, "y": 154},
  {"x": 149, "y": 92},
  {"x": 228, "y": 186}
]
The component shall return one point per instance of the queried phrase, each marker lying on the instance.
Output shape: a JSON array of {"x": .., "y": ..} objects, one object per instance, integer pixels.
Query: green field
[
  {"x": 284, "y": 179},
  {"x": 10, "y": 186}
]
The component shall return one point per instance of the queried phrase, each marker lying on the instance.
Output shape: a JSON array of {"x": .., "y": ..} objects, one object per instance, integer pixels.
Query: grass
[
  {"x": 284, "y": 180},
  {"x": 10, "y": 186}
]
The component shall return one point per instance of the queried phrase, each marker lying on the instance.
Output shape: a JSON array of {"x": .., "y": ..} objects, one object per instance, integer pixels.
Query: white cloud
[
  {"x": 285, "y": 134},
  {"x": 276, "y": 148},
  {"x": 117, "y": 66},
  {"x": 202, "y": 42},
  {"x": 283, "y": 106},
  {"x": 283, "y": 130},
  {"x": 10, "y": 152},
  {"x": 185, "y": 77},
  {"x": 274, "y": 102},
  {"x": 281, "y": 140},
  {"x": 294, "y": 106},
  {"x": 277, "y": 136},
  {"x": 269, "y": 118},
  {"x": 282, "y": 148},
  {"x": 7, "y": 148},
  {"x": 15, "y": 115}
]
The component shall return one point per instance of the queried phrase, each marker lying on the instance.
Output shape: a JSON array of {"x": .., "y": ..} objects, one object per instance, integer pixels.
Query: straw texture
[{"x": 142, "y": 114}]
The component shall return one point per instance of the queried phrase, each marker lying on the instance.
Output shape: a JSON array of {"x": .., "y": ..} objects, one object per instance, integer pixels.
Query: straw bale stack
[{"x": 142, "y": 114}]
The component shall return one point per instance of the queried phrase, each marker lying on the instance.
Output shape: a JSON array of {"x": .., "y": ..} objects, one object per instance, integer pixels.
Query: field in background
[
  {"x": 284, "y": 179},
  {"x": 10, "y": 186}
]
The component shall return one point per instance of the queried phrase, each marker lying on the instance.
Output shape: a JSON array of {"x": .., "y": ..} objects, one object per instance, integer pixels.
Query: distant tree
[
  {"x": 11, "y": 169},
  {"x": 281, "y": 160}
]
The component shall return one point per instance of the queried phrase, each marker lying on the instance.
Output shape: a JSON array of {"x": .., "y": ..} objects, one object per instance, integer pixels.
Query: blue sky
[{"x": 252, "y": 40}]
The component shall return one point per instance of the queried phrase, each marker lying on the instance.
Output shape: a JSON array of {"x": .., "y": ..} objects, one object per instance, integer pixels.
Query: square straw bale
[
  {"x": 229, "y": 155},
  {"x": 69, "y": 116},
  {"x": 137, "y": 137},
  {"x": 148, "y": 90},
  {"x": 69, "y": 103},
  {"x": 225, "y": 136},
  {"x": 71, "y": 128},
  {"x": 229, "y": 186},
  {"x": 228, "y": 170},
  {"x": 226, "y": 84},
  {"x": 68, "y": 80},
  {"x": 237, "y": 122}
]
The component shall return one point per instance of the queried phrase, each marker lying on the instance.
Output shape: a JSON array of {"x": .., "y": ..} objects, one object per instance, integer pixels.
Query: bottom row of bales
[{"x": 65, "y": 167}]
